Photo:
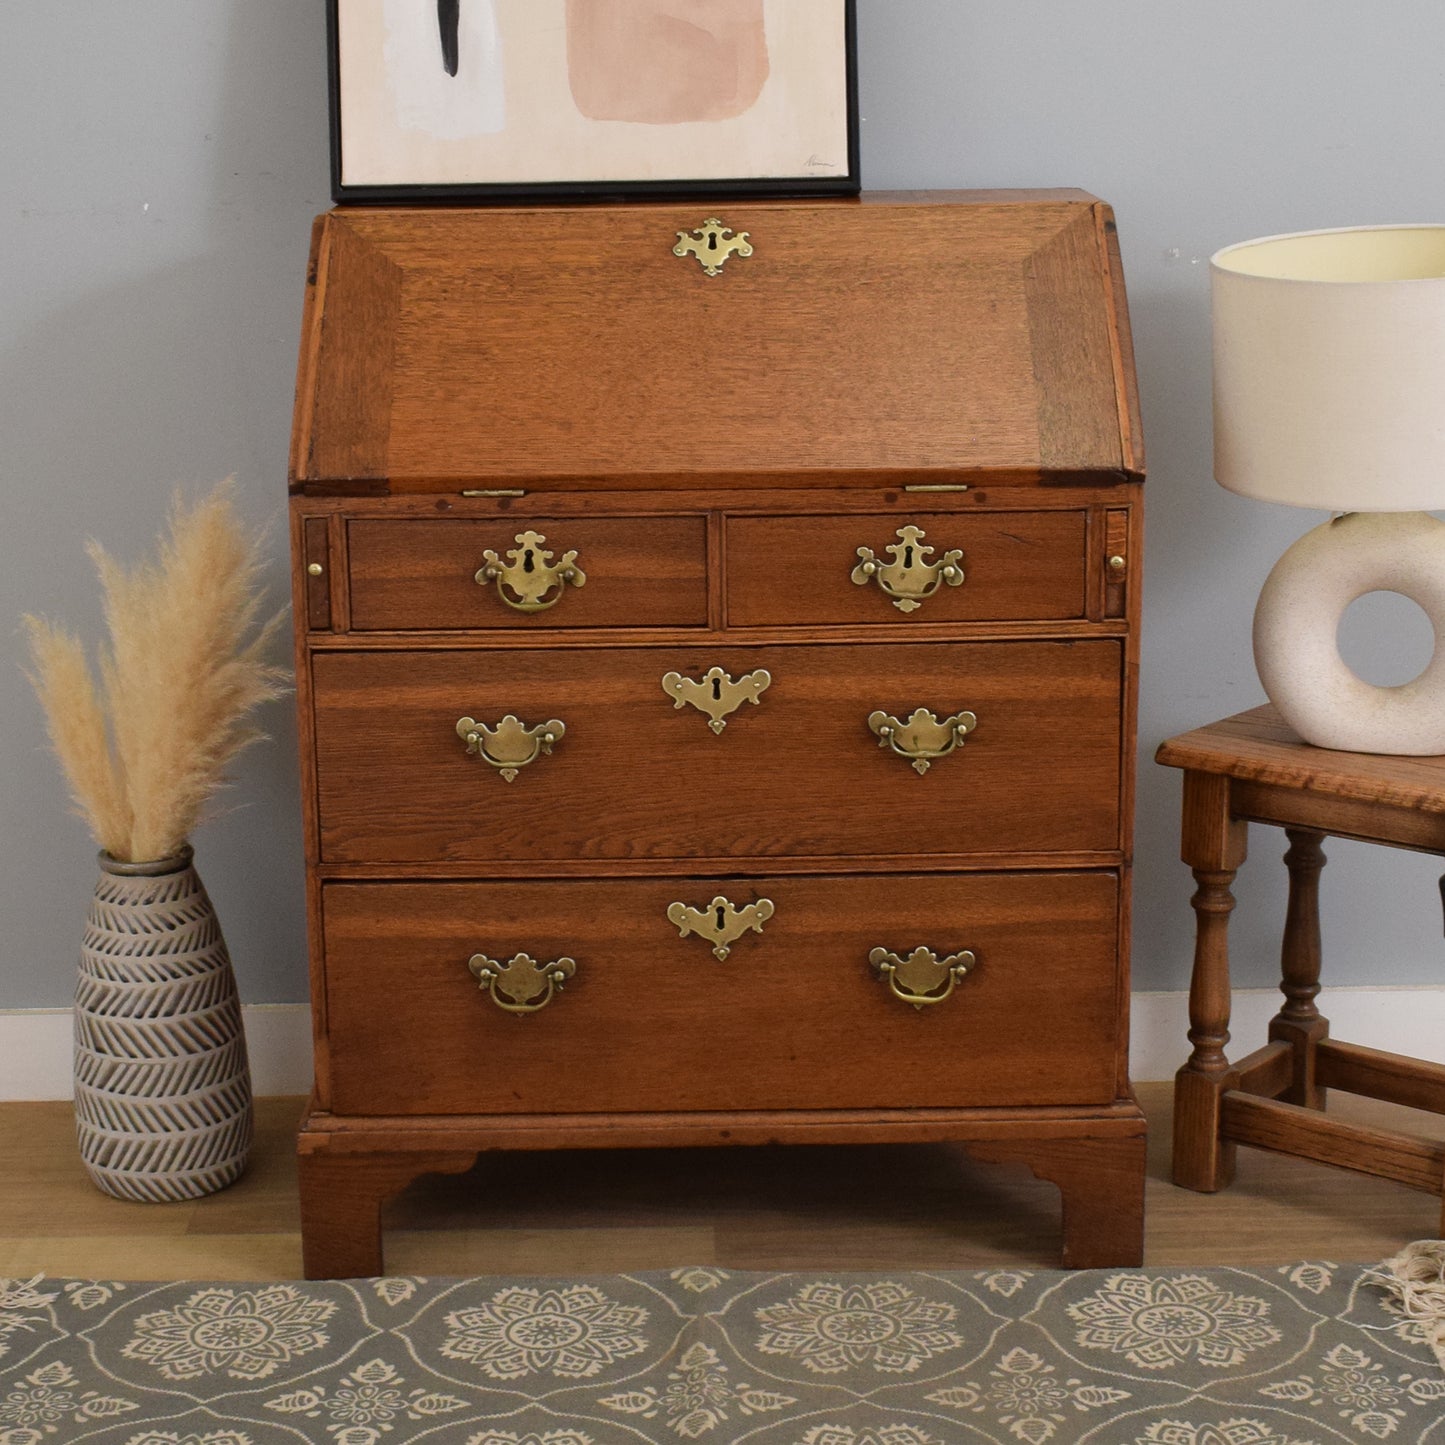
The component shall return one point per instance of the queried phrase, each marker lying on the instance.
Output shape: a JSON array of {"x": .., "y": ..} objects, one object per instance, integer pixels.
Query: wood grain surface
[
  {"x": 1260, "y": 747},
  {"x": 717, "y": 449},
  {"x": 418, "y": 575},
  {"x": 793, "y": 1018},
  {"x": 922, "y": 335},
  {"x": 635, "y": 776},
  {"x": 1017, "y": 565}
]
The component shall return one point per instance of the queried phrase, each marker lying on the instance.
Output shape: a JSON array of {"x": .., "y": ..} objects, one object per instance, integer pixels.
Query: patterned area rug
[{"x": 1301, "y": 1355}]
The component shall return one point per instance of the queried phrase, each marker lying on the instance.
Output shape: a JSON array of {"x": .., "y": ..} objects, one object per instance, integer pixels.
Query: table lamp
[{"x": 1329, "y": 392}]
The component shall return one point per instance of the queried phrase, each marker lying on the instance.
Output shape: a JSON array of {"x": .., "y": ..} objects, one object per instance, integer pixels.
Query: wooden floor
[{"x": 862, "y": 1208}]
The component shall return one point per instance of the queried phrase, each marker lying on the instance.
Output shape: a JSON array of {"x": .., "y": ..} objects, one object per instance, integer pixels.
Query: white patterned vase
[{"x": 162, "y": 1083}]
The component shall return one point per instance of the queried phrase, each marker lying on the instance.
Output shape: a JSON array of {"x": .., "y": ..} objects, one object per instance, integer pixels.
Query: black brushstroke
[{"x": 449, "y": 19}]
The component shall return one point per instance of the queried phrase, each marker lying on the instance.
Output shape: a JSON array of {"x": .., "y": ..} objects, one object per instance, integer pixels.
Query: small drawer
[
  {"x": 420, "y": 575},
  {"x": 796, "y": 1016},
  {"x": 1016, "y": 566},
  {"x": 790, "y": 758}
]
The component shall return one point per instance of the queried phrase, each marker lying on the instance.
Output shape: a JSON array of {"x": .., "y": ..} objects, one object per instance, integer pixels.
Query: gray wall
[{"x": 162, "y": 162}]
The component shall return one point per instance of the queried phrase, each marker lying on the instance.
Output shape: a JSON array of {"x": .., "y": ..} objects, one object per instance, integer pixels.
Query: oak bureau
[{"x": 716, "y": 651}]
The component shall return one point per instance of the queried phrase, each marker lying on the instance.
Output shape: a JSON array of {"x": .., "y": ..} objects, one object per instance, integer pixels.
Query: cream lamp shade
[{"x": 1329, "y": 392}]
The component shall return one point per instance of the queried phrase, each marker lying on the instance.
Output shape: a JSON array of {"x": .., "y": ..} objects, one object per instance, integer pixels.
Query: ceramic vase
[{"x": 162, "y": 1083}]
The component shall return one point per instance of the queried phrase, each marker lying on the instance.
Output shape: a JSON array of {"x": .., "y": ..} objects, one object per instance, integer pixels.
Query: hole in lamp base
[{"x": 1386, "y": 639}]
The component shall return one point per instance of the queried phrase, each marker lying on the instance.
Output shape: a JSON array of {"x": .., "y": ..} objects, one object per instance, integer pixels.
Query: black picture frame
[{"x": 483, "y": 192}]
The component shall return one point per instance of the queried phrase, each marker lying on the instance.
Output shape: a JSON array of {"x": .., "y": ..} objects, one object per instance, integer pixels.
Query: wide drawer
[
  {"x": 420, "y": 575},
  {"x": 1025, "y": 566},
  {"x": 795, "y": 1017},
  {"x": 636, "y": 775}
]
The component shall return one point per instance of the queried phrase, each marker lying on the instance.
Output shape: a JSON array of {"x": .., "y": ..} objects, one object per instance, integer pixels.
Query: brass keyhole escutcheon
[
  {"x": 910, "y": 578},
  {"x": 712, "y": 243},
  {"x": 721, "y": 922},
  {"x": 528, "y": 581},
  {"x": 522, "y": 984},
  {"x": 715, "y": 693},
  {"x": 921, "y": 977},
  {"x": 922, "y": 737}
]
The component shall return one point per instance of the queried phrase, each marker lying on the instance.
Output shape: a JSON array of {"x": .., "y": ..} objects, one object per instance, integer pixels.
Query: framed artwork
[{"x": 501, "y": 99}]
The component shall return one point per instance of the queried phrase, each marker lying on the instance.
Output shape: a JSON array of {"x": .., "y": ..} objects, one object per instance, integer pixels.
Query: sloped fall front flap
[{"x": 912, "y": 337}]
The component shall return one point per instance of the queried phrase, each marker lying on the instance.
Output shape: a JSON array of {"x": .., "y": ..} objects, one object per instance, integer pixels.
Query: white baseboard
[
  {"x": 35, "y": 1049},
  {"x": 1401, "y": 1020},
  {"x": 35, "y": 1043}
]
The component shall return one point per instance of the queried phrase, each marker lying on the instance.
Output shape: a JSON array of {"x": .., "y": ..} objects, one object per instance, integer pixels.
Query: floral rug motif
[{"x": 1309, "y": 1354}]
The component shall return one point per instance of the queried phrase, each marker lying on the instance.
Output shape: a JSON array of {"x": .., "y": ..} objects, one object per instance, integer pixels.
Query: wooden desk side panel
[
  {"x": 1073, "y": 349},
  {"x": 1127, "y": 382}
]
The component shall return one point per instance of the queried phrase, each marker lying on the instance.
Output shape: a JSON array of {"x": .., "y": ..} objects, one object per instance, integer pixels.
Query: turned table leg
[
  {"x": 341, "y": 1198},
  {"x": 1214, "y": 847},
  {"x": 1298, "y": 1022}
]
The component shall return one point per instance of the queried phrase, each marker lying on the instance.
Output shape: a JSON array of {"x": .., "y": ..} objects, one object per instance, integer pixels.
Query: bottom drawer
[{"x": 794, "y": 1017}]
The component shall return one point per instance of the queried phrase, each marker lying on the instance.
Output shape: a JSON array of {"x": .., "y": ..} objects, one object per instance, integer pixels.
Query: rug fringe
[{"x": 1415, "y": 1279}]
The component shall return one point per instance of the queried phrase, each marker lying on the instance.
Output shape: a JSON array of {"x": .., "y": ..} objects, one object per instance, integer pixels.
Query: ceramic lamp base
[{"x": 1296, "y": 626}]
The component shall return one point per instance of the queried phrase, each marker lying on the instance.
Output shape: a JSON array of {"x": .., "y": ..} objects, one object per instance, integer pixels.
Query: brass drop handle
[
  {"x": 511, "y": 745},
  {"x": 530, "y": 582},
  {"x": 910, "y": 578},
  {"x": 715, "y": 693},
  {"x": 721, "y": 922},
  {"x": 921, "y": 978},
  {"x": 522, "y": 984},
  {"x": 922, "y": 737}
]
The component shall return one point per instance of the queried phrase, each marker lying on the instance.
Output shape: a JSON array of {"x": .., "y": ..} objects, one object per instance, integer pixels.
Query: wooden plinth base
[{"x": 349, "y": 1167}]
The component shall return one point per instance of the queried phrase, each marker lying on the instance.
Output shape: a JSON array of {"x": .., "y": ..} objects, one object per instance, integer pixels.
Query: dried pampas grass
[{"x": 185, "y": 668}]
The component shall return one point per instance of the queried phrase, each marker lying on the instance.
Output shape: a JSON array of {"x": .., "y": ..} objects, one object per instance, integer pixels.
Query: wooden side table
[{"x": 1252, "y": 768}]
